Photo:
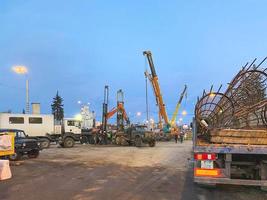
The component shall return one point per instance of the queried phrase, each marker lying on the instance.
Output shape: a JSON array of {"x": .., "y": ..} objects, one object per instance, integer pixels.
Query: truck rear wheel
[
  {"x": 69, "y": 142},
  {"x": 138, "y": 141},
  {"x": 152, "y": 143},
  {"x": 45, "y": 143},
  {"x": 33, "y": 153},
  {"x": 118, "y": 140},
  {"x": 15, "y": 157}
]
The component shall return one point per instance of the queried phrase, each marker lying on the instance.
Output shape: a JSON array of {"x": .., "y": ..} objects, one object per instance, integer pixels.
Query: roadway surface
[{"x": 88, "y": 172}]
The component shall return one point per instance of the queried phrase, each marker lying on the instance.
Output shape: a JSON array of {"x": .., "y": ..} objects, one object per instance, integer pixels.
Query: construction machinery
[
  {"x": 169, "y": 126},
  {"x": 120, "y": 110},
  {"x": 126, "y": 134},
  {"x": 178, "y": 105},
  {"x": 156, "y": 88},
  {"x": 230, "y": 131}
]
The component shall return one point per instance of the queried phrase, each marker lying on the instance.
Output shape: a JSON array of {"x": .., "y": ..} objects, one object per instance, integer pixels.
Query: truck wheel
[
  {"x": 124, "y": 142},
  {"x": 69, "y": 142},
  {"x": 83, "y": 140},
  {"x": 138, "y": 141},
  {"x": 152, "y": 143},
  {"x": 45, "y": 143},
  {"x": 91, "y": 140},
  {"x": 15, "y": 157},
  {"x": 118, "y": 140},
  {"x": 33, "y": 153}
]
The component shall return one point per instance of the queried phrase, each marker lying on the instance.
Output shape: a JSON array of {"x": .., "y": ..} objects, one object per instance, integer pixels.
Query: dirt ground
[{"x": 88, "y": 172}]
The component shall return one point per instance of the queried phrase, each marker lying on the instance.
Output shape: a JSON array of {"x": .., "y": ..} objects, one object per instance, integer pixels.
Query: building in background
[{"x": 87, "y": 117}]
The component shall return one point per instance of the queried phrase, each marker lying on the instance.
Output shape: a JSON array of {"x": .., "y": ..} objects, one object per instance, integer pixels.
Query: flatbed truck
[{"x": 234, "y": 164}]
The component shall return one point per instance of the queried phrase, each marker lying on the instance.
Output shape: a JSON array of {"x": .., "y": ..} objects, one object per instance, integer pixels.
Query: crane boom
[
  {"x": 174, "y": 116},
  {"x": 155, "y": 84}
]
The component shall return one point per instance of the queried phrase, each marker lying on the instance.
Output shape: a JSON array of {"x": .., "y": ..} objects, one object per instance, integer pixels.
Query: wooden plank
[
  {"x": 238, "y": 140},
  {"x": 239, "y": 133}
]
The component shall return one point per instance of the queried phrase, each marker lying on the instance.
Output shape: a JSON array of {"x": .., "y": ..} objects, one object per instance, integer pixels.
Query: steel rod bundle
[{"x": 243, "y": 105}]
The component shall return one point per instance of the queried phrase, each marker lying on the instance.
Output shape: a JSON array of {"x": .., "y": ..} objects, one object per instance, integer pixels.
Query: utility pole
[{"x": 27, "y": 97}]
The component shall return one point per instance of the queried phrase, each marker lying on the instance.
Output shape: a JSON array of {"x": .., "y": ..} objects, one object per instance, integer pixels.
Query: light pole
[{"x": 24, "y": 71}]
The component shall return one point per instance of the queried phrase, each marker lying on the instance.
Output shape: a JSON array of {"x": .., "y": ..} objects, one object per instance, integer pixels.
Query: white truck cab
[{"x": 72, "y": 125}]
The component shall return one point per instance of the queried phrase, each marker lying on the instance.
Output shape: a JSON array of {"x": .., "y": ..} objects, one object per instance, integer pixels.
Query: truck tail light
[
  {"x": 205, "y": 156},
  {"x": 207, "y": 172}
]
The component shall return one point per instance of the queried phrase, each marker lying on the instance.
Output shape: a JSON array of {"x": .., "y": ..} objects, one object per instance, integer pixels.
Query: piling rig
[{"x": 122, "y": 117}]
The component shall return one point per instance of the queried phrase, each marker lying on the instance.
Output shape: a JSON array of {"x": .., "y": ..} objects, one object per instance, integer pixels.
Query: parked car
[{"x": 24, "y": 145}]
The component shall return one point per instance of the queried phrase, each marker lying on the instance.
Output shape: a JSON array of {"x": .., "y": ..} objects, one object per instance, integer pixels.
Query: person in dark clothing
[
  {"x": 181, "y": 136},
  {"x": 176, "y": 138}
]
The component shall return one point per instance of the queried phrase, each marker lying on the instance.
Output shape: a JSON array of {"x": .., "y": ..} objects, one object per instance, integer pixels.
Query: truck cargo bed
[{"x": 230, "y": 148}]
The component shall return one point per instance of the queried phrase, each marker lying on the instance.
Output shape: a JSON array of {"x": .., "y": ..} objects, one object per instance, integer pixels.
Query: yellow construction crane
[
  {"x": 156, "y": 88},
  {"x": 178, "y": 105}
]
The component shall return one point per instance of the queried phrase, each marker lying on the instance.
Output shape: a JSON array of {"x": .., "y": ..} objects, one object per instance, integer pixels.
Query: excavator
[{"x": 169, "y": 126}]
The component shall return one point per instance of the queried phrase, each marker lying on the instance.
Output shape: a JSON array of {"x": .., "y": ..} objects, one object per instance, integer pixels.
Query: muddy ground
[{"x": 88, "y": 172}]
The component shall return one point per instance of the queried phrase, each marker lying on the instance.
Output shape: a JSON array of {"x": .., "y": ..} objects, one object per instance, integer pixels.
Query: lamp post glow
[
  {"x": 22, "y": 70},
  {"x": 184, "y": 113}
]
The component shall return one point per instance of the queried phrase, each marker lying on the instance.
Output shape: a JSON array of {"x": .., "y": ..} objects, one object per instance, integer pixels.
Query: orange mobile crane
[
  {"x": 156, "y": 88},
  {"x": 159, "y": 99}
]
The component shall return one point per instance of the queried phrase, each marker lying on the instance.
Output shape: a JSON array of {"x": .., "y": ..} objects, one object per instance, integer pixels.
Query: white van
[{"x": 32, "y": 124}]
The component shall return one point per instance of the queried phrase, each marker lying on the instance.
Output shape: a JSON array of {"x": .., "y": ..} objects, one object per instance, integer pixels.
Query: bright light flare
[
  {"x": 212, "y": 94},
  {"x": 184, "y": 113},
  {"x": 19, "y": 69},
  {"x": 78, "y": 117},
  {"x": 138, "y": 114}
]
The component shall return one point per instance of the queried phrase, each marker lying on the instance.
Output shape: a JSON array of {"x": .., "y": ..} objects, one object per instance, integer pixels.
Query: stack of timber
[{"x": 239, "y": 136}]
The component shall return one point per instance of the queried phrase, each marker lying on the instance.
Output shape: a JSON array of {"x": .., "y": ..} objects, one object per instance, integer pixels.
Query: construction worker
[
  {"x": 182, "y": 136},
  {"x": 175, "y": 132},
  {"x": 176, "y": 137}
]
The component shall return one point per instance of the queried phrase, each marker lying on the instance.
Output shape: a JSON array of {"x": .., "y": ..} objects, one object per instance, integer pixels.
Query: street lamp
[
  {"x": 22, "y": 70},
  {"x": 138, "y": 114}
]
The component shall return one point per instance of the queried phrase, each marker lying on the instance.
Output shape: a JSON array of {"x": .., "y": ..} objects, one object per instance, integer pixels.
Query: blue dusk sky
[{"x": 78, "y": 46}]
